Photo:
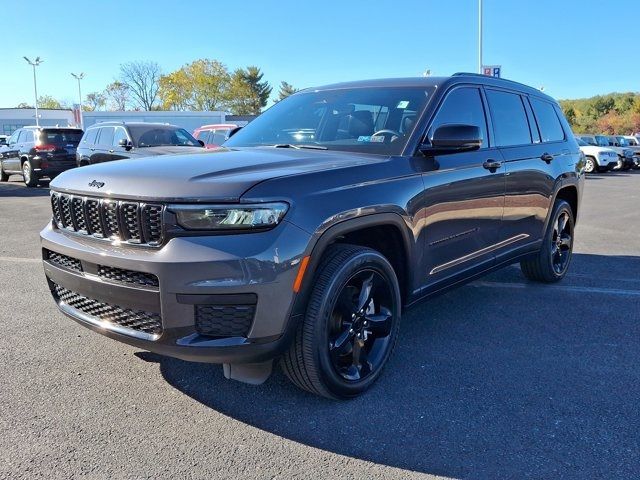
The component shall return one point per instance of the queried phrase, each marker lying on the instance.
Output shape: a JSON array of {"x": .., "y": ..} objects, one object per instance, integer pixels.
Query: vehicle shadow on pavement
[
  {"x": 501, "y": 378},
  {"x": 14, "y": 188}
]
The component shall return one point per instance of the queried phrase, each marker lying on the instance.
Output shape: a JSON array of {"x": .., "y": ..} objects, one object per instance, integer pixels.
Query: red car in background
[{"x": 214, "y": 135}]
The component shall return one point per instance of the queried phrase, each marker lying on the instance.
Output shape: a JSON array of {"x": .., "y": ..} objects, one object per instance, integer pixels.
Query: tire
[
  {"x": 336, "y": 330},
  {"x": 590, "y": 165},
  {"x": 30, "y": 179},
  {"x": 4, "y": 177},
  {"x": 551, "y": 263}
]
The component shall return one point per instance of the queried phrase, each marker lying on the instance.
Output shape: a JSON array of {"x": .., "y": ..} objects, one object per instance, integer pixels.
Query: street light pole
[
  {"x": 479, "y": 36},
  {"x": 79, "y": 77},
  {"x": 34, "y": 64}
]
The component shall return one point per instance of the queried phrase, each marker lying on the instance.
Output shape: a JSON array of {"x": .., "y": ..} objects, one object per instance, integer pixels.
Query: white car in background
[
  {"x": 634, "y": 144},
  {"x": 598, "y": 159}
]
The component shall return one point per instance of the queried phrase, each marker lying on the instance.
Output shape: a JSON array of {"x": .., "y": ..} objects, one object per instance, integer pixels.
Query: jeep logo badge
[{"x": 96, "y": 184}]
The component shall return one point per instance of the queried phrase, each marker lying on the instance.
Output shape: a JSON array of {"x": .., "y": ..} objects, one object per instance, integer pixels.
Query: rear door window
[
  {"x": 106, "y": 136},
  {"x": 22, "y": 137},
  {"x": 510, "y": 124},
  {"x": 548, "y": 122},
  {"x": 462, "y": 106}
]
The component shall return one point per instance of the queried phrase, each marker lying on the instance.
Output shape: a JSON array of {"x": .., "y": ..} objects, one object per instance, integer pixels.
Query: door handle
[
  {"x": 110, "y": 151},
  {"x": 546, "y": 157},
  {"x": 492, "y": 165},
  {"x": 92, "y": 149}
]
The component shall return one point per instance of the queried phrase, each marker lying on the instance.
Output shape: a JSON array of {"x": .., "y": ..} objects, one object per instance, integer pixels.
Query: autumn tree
[
  {"x": 94, "y": 101},
  {"x": 200, "y": 85},
  {"x": 142, "y": 79},
  {"x": 47, "y": 101}
]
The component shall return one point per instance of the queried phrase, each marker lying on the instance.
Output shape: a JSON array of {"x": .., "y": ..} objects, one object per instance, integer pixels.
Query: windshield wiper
[{"x": 299, "y": 146}]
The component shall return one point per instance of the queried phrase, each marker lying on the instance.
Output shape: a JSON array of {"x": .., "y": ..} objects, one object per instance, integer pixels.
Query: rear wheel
[
  {"x": 552, "y": 261},
  {"x": 30, "y": 178},
  {"x": 350, "y": 327}
]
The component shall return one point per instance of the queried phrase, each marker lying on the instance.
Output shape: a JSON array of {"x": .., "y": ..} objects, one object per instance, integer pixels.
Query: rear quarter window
[{"x": 547, "y": 119}]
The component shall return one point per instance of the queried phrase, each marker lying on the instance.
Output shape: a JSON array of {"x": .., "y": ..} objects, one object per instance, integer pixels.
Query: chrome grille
[
  {"x": 131, "y": 222},
  {"x": 137, "y": 320}
]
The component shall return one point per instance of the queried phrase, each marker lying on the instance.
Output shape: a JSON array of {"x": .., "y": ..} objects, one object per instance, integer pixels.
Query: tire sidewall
[
  {"x": 560, "y": 207},
  {"x": 594, "y": 166},
  {"x": 369, "y": 260}
]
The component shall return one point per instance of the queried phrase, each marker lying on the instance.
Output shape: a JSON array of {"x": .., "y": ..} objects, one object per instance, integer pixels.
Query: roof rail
[{"x": 469, "y": 74}]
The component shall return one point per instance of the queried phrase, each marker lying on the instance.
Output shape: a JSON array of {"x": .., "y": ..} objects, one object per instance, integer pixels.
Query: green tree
[
  {"x": 47, "y": 101},
  {"x": 286, "y": 89},
  {"x": 260, "y": 90},
  {"x": 24, "y": 105},
  {"x": 242, "y": 98}
]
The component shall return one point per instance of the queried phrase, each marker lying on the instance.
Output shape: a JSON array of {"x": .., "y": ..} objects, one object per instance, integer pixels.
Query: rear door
[
  {"x": 10, "y": 160},
  {"x": 87, "y": 146},
  {"x": 463, "y": 197},
  {"x": 531, "y": 165}
]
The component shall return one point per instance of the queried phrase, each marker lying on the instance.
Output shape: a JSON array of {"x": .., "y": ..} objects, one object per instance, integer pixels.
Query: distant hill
[{"x": 614, "y": 113}]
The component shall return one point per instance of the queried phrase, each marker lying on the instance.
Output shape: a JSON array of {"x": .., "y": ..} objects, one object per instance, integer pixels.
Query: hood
[
  {"x": 222, "y": 175},
  {"x": 166, "y": 150},
  {"x": 593, "y": 150}
]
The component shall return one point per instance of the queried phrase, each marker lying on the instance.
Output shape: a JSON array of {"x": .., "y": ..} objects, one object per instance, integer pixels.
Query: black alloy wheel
[
  {"x": 361, "y": 323},
  {"x": 351, "y": 324}
]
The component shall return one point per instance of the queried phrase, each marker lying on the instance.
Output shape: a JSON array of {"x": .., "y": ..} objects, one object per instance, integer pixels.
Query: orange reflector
[{"x": 303, "y": 267}]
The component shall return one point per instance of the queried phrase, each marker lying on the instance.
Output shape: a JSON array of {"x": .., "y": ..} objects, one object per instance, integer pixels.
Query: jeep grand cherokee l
[
  {"x": 317, "y": 225},
  {"x": 37, "y": 152}
]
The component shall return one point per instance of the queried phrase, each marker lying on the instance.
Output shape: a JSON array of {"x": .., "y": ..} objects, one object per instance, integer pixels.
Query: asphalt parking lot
[{"x": 498, "y": 379}]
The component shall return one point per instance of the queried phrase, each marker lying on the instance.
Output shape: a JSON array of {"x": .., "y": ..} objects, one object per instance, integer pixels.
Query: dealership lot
[{"x": 498, "y": 379}]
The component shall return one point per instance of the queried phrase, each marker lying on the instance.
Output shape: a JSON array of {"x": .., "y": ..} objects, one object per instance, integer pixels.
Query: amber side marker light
[{"x": 303, "y": 267}]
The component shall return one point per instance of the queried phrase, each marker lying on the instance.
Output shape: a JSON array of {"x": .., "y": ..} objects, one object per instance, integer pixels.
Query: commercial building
[{"x": 13, "y": 118}]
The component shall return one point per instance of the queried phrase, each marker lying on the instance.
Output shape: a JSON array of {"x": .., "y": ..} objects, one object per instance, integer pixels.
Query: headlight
[{"x": 229, "y": 217}]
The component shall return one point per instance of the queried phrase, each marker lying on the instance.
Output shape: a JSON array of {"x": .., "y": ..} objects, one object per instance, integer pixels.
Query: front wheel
[
  {"x": 552, "y": 261},
  {"x": 350, "y": 327},
  {"x": 590, "y": 165},
  {"x": 4, "y": 176},
  {"x": 30, "y": 179}
]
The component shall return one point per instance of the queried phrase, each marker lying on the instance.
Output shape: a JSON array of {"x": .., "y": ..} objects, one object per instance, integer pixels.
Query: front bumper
[{"x": 191, "y": 272}]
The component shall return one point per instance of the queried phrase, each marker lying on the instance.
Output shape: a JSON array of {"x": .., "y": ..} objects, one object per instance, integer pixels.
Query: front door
[
  {"x": 10, "y": 158},
  {"x": 464, "y": 195}
]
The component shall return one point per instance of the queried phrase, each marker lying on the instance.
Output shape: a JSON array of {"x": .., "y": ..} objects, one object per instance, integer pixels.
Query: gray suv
[{"x": 319, "y": 223}]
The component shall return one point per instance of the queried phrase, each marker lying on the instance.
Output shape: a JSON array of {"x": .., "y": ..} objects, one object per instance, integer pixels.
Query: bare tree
[
  {"x": 142, "y": 79},
  {"x": 118, "y": 95}
]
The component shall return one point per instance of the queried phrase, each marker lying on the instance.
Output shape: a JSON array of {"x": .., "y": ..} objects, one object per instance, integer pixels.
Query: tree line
[
  {"x": 613, "y": 114},
  {"x": 203, "y": 84}
]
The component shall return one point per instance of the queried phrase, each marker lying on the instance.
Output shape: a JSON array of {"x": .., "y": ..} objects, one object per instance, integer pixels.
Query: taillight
[{"x": 46, "y": 148}]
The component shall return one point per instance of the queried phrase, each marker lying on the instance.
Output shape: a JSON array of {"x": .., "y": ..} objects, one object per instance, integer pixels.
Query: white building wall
[{"x": 13, "y": 118}]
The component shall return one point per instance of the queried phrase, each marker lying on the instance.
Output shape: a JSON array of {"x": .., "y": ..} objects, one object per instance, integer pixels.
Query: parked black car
[
  {"x": 37, "y": 152},
  {"x": 109, "y": 141},
  {"x": 305, "y": 238}
]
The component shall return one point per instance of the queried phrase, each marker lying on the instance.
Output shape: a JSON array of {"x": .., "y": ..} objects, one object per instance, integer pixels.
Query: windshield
[
  {"x": 367, "y": 120},
  {"x": 623, "y": 141},
  {"x": 60, "y": 136},
  {"x": 581, "y": 142},
  {"x": 159, "y": 135},
  {"x": 602, "y": 141},
  {"x": 589, "y": 140}
]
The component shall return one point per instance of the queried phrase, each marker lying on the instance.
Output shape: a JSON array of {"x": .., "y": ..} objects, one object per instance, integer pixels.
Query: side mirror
[
  {"x": 233, "y": 131},
  {"x": 201, "y": 143},
  {"x": 453, "y": 138},
  {"x": 123, "y": 142}
]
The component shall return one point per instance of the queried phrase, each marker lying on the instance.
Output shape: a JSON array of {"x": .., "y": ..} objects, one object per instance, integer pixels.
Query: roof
[
  {"x": 438, "y": 82},
  {"x": 113, "y": 123}
]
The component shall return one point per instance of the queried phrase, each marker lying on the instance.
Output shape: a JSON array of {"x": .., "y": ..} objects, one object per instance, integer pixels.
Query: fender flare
[{"x": 322, "y": 239}]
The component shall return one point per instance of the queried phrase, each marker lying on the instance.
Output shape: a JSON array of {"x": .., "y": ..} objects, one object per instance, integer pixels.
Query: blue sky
[{"x": 573, "y": 48}]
